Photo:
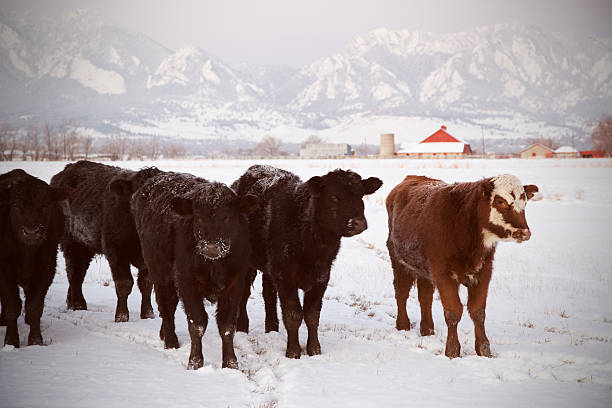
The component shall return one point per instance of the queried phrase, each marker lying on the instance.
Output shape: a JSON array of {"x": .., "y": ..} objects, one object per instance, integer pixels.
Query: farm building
[
  {"x": 566, "y": 152},
  {"x": 593, "y": 154},
  {"x": 537, "y": 151},
  {"x": 441, "y": 144},
  {"x": 324, "y": 150}
]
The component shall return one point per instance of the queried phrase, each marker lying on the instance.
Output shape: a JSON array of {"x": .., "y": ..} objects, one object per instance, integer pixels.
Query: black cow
[
  {"x": 31, "y": 224},
  {"x": 100, "y": 222},
  {"x": 195, "y": 239},
  {"x": 295, "y": 236}
]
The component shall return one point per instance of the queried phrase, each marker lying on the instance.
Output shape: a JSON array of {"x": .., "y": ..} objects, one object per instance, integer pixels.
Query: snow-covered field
[{"x": 549, "y": 317}]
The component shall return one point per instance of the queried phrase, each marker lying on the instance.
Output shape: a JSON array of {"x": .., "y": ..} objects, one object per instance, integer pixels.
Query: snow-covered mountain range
[{"x": 514, "y": 80}]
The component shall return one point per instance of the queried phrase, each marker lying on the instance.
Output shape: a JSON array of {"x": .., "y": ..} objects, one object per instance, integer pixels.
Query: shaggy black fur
[
  {"x": 99, "y": 222},
  {"x": 30, "y": 228},
  {"x": 195, "y": 239},
  {"x": 295, "y": 236}
]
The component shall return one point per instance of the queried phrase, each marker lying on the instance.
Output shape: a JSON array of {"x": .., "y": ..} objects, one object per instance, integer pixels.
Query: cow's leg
[
  {"x": 11, "y": 308},
  {"x": 35, "y": 300},
  {"x": 292, "y": 316},
  {"x": 122, "y": 275},
  {"x": 145, "y": 286},
  {"x": 270, "y": 300},
  {"x": 167, "y": 299},
  {"x": 243, "y": 318},
  {"x": 313, "y": 300},
  {"x": 453, "y": 309},
  {"x": 77, "y": 258},
  {"x": 227, "y": 314},
  {"x": 2, "y": 318},
  {"x": 426, "y": 291},
  {"x": 477, "y": 302},
  {"x": 197, "y": 319},
  {"x": 403, "y": 280}
]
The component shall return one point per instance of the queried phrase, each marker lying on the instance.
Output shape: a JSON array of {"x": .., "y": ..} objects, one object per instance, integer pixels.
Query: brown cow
[{"x": 444, "y": 235}]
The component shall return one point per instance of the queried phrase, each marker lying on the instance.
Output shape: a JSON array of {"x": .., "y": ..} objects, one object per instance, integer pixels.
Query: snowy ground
[{"x": 549, "y": 317}]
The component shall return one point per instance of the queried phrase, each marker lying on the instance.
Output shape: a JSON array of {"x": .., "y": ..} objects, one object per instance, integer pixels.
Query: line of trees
[{"x": 68, "y": 142}]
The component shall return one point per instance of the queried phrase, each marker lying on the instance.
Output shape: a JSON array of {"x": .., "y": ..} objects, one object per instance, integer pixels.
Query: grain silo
[{"x": 387, "y": 144}]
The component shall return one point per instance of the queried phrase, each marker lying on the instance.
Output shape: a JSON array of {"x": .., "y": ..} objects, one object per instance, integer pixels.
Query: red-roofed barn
[{"x": 440, "y": 144}]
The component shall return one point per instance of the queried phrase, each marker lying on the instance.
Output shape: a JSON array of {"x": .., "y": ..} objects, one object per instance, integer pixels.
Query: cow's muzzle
[
  {"x": 213, "y": 250},
  {"x": 521, "y": 235},
  {"x": 33, "y": 235},
  {"x": 355, "y": 226}
]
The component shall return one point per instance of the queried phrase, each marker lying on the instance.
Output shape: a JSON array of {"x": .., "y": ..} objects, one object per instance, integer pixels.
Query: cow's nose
[
  {"x": 356, "y": 225},
  {"x": 522, "y": 235},
  {"x": 211, "y": 250},
  {"x": 28, "y": 232}
]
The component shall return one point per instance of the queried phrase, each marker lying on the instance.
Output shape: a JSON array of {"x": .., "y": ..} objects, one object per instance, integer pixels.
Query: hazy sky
[{"x": 298, "y": 32}]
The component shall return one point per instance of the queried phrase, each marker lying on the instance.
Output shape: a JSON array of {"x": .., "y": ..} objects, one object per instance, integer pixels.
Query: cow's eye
[{"x": 501, "y": 202}]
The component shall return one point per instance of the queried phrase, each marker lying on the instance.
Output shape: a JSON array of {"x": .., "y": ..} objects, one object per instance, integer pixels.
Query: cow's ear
[
  {"x": 61, "y": 194},
  {"x": 370, "y": 185},
  {"x": 530, "y": 190},
  {"x": 486, "y": 188},
  {"x": 182, "y": 206},
  {"x": 121, "y": 186},
  {"x": 315, "y": 185},
  {"x": 248, "y": 203}
]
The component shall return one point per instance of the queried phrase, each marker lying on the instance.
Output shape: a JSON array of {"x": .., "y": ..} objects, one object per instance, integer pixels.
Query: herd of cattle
[{"x": 191, "y": 238}]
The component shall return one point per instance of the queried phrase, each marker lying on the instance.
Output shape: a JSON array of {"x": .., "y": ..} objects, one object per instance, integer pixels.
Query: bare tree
[
  {"x": 24, "y": 145},
  {"x": 268, "y": 146},
  {"x": 173, "y": 150},
  {"x": 602, "y": 135},
  {"x": 72, "y": 142},
  {"x": 5, "y": 141},
  {"x": 152, "y": 148},
  {"x": 115, "y": 146},
  {"x": 34, "y": 141},
  {"x": 51, "y": 142},
  {"x": 86, "y": 144},
  {"x": 312, "y": 139}
]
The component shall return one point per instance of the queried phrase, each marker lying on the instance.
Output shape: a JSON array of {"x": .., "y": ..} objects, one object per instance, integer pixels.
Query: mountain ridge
[{"x": 508, "y": 77}]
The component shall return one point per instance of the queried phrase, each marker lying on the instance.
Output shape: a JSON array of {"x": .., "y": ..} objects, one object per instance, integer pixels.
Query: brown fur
[{"x": 436, "y": 239}]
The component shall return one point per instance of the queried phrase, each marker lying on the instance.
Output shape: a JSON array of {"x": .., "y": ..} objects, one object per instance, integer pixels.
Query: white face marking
[{"x": 505, "y": 186}]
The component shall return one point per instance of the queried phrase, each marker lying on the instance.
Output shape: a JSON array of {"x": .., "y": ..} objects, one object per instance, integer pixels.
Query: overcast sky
[{"x": 294, "y": 33}]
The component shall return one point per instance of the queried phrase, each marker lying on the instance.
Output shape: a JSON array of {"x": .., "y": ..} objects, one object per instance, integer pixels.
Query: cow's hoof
[
  {"x": 483, "y": 349},
  {"x": 402, "y": 324},
  {"x": 271, "y": 326},
  {"x": 427, "y": 331},
  {"x": 195, "y": 363},
  {"x": 121, "y": 317},
  {"x": 76, "y": 305},
  {"x": 35, "y": 340},
  {"x": 11, "y": 341},
  {"x": 171, "y": 343},
  {"x": 242, "y": 326},
  {"x": 233, "y": 364},
  {"x": 147, "y": 313},
  {"x": 293, "y": 353},
  {"x": 452, "y": 350},
  {"x": 313, "y": 349}
]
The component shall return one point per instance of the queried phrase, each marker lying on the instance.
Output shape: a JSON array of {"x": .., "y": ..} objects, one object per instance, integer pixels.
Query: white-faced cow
[{"x": 443, "y": 235}]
